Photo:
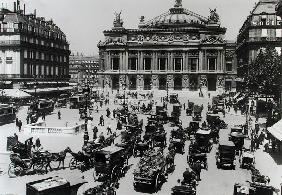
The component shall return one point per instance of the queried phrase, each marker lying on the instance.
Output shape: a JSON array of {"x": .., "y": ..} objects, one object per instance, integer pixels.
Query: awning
[
  {"x": 15, "y": 93},
  {"x": 276, "y": 130}
]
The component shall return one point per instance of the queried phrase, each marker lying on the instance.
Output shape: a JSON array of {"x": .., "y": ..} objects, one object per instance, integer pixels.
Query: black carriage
[
  {"x": 225, "y": 154},
  {"x": 176, "y": 110},
  {"x": 197, "y": 114},
  {"x": 203, "y": 140},
  {"x": 173, "y": 98},
  {"x": 247, "y": 159},
  {"x": 23, "y": 149},
  {"x": 177, "y": 140},
  {"x": 195, "y": 156},
  {"x": 159, "y": 139},
  {"x": 189, "y": 109},
  {"x": 188, "y": 184},
  {"x": 214, "y": 121},
  {"x": 150, "y": 171},
  {"x": 110, "y": 162},
  {"x": 140, "y": 148},
  {"x": 194, "y": 126},
  {"x": 238, "y": 139}
]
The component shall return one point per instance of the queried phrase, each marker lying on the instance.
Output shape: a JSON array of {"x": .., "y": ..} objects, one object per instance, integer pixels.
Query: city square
[{"x": 169, "y": 107}]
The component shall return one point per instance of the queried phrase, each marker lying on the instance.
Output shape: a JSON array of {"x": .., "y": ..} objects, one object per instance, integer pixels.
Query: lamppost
[{"x": 86, "y": 94}]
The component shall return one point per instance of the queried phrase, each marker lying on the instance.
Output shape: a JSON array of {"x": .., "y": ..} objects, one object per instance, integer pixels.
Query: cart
[
  {"x": 194, "y": 157},
  {"x": 177, "y": 140},
  {"x": 110, "y": 162},
  {"x": 150, "y": 171},
  {"x": 203, "y": 140}
]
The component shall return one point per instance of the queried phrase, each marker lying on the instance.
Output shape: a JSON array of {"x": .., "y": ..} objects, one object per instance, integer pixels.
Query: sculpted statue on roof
[
  {"x": 214, "y": 17},
  {"x": 118, "y": 21},
  {"x": 178, "y": 3}
]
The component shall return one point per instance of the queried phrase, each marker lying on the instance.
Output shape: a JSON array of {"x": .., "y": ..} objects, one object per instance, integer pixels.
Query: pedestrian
[
  {"x": 17, "y": 122},
  {"x": 16, "y": 138},
  {"x": 101, "y": 120},
  {"x": 101, "y": 104},
  {"x": 43, "y": 116},
  {"x": 184, "y": 106},
  {"x": 114, "y": 113},
  {"x": 95, "y": 131},
  {"x": 198, "y": 169},
  {"x": 209, "y": 95},
  {"x": 85, "y": 137},
  {"x": 20, "y": 125},
  {"x": 27, "y": 119},
  {"x": 59, "y": 115},
  {"x": 119, "y": 125},
  {"x": 101, "y": 138},
  {"x": 109, "y": 130},
  {"x": 108, "y": 112}
]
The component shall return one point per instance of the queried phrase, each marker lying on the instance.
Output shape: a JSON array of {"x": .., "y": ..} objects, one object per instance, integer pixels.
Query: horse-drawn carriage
[
  {"x": 225, "y": 154},
  {"x": 203, "y": 140},
  {"x": 150, "y": 170},
  {"x": 110, "y": 162},
  {"x": 247, "y": 159},
  {"x": 177, "y": 140},
  {"x": 194, "y": 126},
  {"x": 189, "y": 109},
  {"x": 176, "y": 110},
  {"x": 173, "y": 98},
  {"x": 197, "y": 113},
  {"x": 214, "y": 121},
  {"x": 159, "y": 139},
  {"x": 130, "y": 132},
  {"x": 188, "y": 184}
]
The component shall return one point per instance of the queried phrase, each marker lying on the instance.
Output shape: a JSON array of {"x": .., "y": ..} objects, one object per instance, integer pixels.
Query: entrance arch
[
  {"x": 178, "y": 83},
  {"x": 147, "y": 82},
  {"x": 212, "y": 83},
  {"x": 162, "y": 83},
  {"x": 132, "y": 83},
  {"x": 115, "y": 82}
]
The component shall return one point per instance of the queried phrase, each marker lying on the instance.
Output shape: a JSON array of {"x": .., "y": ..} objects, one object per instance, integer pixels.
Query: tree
[{"x": 264, "y": 73}]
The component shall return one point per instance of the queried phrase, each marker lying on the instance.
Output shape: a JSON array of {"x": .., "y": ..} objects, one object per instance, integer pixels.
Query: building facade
[
  {"x": 83, "y": 69},
  {"x": 179, "y": 50},
  {"x": 261, "y": 29},
  {"x": 34, "y": 52}
]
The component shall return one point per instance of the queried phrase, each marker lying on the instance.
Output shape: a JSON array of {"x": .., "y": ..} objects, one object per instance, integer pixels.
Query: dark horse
[{"x": 59, "y": 157}]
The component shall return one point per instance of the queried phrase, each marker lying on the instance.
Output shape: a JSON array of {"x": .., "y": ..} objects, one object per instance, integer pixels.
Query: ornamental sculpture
[
  {"x": 178, "y": 3},
  {"x": 118, "y": 21},
  {"x": 214, "y": 17}
]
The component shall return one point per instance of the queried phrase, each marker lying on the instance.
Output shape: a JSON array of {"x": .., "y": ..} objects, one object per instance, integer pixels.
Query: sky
[{"x": 83, "y": 21}]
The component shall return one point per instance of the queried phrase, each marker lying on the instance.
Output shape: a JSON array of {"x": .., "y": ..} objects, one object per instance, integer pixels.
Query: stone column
[
  {"x": 201, "y": 56},
  {"x": 141, "y": 67},
  {"x": 218, "y": 61},
  {"x": 220, "y": 84},
  {"x": 140, "y": 82},
  {"x": 126, "y": 61}
]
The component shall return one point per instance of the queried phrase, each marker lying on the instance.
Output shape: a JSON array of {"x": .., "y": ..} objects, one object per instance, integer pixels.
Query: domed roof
[{"x": 175, "y": 17}]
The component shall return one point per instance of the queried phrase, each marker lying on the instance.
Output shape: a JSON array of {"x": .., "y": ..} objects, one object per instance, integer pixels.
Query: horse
[{"x": 60, "y": 157}]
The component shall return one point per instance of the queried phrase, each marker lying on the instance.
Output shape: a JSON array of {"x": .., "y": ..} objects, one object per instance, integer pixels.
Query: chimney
[
  {"x": 15, "y": 6},
  {"x": 24, "y": 10}
]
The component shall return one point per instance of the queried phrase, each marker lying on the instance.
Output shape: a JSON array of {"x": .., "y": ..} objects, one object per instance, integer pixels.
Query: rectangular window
[
  {"x": 193, "y": 63},
  {"x": 42, "y": 56},
  {"x": 212, "y": 64},
  {"x": 52, "y": 70},
  {"x": 162, "y": 63},
  {"x": 42, "y": 70},
  {"x": 47, "y": 70},
  {"x": 177, "y": 64},
  {"x": 0, "y": 60},
  {"x": 263, "y": 32},
  {"x": 278, "y": 33},
  {"x": 147, "y": 63},
  {"x": 57, "y": 71},
  {"x": 9, "y": 60},
  {"x": 25, "y": 54},
  {"x": 132, "y": 63},
  {"x": 229, "y": 66},
  {"x": 25, "y": 69},
  {"x": 37, "y": 70},
  {"x": 115, "y": 63}
]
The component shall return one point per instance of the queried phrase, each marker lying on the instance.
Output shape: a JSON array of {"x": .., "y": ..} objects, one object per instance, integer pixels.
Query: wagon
[
  {"x": 194, "y": 157},
  {"x": 197, "y": 115},
  {"x": 247, "y": 159},
  {"x": 177, "y": 140},
  {"x": 140, "y": 148},
  {"x": 203, "y": 139},
  {"x": 252, "y": 188},
  {"x": 150, "y": 171},
  {"x": 110, "y": 162},
  {"x": 193, "y": 127}
]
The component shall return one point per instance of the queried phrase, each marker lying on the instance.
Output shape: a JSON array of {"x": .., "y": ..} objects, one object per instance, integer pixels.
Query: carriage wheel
[
  {"x": 38, "y": 166},
  {"x": 156, "y": 187},
  {"x": 14, "y": 170},
  {"x": 54, "y": 164},
  {"x": 73, "y": 164}
]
